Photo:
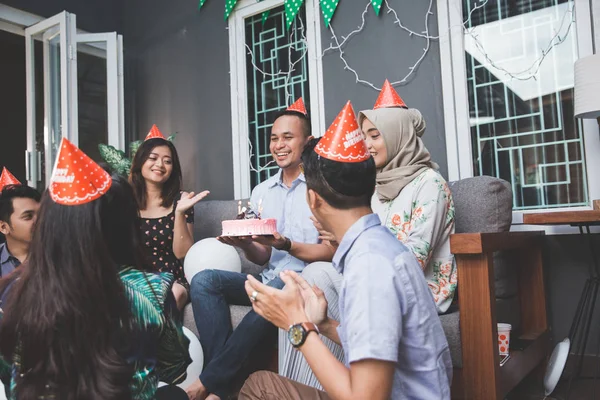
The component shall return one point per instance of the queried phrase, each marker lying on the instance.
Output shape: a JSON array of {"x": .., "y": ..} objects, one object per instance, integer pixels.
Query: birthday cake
[{"x": 249, "y": 223}]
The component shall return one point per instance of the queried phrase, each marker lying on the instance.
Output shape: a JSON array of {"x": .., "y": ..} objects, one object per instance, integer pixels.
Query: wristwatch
[{"x": 297, "y": 333}]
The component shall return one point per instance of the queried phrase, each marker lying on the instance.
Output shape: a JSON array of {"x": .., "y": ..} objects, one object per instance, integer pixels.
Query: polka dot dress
[{"x": 157, "y": 236}]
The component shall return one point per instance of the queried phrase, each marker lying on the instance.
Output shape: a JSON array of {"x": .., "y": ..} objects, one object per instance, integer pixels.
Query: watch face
[{"x": 295, "y": 335}]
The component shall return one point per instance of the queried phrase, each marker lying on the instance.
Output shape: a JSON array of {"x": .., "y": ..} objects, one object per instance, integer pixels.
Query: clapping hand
[
  {"x": 315, "y": 303},
  {"x": 282, "y": 308}
]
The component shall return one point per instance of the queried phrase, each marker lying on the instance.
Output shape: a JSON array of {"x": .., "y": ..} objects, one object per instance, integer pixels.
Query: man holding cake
[
  {"x": 281, "y": 198},
  {"x": 393, "y": 340}
]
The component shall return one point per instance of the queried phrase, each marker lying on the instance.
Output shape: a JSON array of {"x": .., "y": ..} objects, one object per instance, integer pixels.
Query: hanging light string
[
  {"x": 292, "y": 64},
  {"x": 526, "y": 74},
  {"x": 287, "y": 76},
  {"x": 532, "y": 71},
  {"x": 338, "y": 45}
]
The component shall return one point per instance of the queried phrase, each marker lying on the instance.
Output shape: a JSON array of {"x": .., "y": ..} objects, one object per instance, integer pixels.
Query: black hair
[
  {"x": 11, "y": 192},
  {"x": 342, "y": 185},
  {"x": 304, "y": 119},
  {"x": 170, "y": 189},
  {"x": 70, "y": 320}
]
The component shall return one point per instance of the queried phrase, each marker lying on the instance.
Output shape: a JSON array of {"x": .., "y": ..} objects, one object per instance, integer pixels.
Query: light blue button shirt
[
  {"x": 289, "y": 207},
  {"x": 387, "y": 312}
]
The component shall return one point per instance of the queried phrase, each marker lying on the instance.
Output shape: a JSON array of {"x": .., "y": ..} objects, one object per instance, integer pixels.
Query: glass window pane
[
  {"x": 519, "y": 58},
  {"x": 92, "y": 108},
  {"x": 272, "y": 47}
]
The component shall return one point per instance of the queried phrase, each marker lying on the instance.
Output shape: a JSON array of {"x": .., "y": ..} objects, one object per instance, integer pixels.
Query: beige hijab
[{"x": 407, "y": 156}]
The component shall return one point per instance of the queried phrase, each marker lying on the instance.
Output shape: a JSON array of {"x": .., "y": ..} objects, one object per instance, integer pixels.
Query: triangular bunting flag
[
  {"x": 200, "y": 4},
  {"x": 155, "y": 133},
  {"x": 376, "y": 5},
  {"x": 76, "y": 178},
  {"x": 328, "y": 9},
  {"x": 388, "y": 97},
  {"x": 6, "y": 178},
  {"x": 298, "y": 106},
  {"x": 343, "y": 141},
  {"x": 229, "y": 6},
  {"x": 265, "y": 16},
  {"x": 291, "y": 10}
]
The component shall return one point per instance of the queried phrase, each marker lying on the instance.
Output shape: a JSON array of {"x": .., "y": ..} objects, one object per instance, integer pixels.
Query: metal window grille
[
  {"x": 523, "y": 130},
  {"x": 273, "y": 50}
]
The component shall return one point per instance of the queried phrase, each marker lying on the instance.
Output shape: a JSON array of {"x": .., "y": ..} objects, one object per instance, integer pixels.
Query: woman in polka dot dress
[{"x": 167, "y": 213}]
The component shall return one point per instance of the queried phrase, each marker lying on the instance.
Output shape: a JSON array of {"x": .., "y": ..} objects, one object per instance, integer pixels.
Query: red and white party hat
[
  {"x": 298, "y": 106},
  {"x": 6, "y": 178},
  {"x": 389, "y": 98},
  {"x": 76, "y": 178},
  {"x": 343, "y": 141},
  {"x": 155, "y": 133}
]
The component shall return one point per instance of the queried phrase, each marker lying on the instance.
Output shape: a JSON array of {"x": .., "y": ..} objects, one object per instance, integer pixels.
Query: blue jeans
[{"x": 225, "y": 350}]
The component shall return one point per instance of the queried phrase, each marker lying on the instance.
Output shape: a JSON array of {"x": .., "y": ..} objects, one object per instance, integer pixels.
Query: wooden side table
[{"x": 580, "y": 327}]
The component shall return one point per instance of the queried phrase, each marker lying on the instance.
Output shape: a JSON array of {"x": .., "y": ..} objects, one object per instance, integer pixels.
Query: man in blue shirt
[
  {"x": 282, "y": 197},
  {"x": 389, "y": 328},
  {"x": 19, "y": 205}
]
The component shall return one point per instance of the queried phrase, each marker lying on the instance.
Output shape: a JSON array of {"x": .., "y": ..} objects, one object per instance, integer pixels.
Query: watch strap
[{"x": 309, "y": 327}]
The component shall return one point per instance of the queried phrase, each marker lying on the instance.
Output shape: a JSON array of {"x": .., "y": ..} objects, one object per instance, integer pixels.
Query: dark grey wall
[
  {"x": 383, "y": 51},
  {"x": 178, "y": 62},
  {"x": 178, "y": 78}
]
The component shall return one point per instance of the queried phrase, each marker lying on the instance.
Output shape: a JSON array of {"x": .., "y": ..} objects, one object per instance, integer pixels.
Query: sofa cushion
[
  {"x": 208, "y": 215},
  {"x": 482, "y": 204},
  {"x": 188, "y": 319},
  {"x": 451, "y": 325}
]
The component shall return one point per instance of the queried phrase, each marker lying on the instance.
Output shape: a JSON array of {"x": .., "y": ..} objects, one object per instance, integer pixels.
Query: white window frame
[
  {"x": 456, "y": 102},
  {"x": 239, "y": 89},
  {"x": 103, "y": 45}
]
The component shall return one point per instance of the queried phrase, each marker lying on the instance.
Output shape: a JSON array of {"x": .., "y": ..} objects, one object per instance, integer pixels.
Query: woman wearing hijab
[{"x": 412, "y": 200}]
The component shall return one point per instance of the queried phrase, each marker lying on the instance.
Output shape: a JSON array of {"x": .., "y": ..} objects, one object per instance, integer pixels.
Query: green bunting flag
[
  {"x": 376, "y": 5},
  {"x": 200, "y": 4},
  {"x": 291, "y": 10},
  {"x": 229, "y": 6},
  {"x": 265, "y": 15},
  {"x": 328, "y": 8}
]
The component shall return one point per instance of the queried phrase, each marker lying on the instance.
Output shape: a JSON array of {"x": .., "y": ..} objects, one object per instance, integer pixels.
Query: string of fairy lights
[{"x": 338, "y": 44}]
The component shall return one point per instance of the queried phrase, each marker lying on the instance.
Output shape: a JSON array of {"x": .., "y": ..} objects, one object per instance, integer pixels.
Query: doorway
[{"x": 61, "y": 82}]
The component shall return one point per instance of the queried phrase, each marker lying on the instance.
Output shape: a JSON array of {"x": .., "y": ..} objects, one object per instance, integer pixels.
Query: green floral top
[
  {"x": 422, "y": 217},
  {"x": 150, "y": 297}
]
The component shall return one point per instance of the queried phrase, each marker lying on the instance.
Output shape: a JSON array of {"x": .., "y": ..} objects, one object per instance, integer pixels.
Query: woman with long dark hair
[
  {"x": 167, "y": 213},
  {"x": 81, "y": 322}
]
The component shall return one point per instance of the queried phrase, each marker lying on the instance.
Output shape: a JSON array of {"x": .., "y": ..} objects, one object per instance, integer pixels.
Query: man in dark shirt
[{"x": 19, "y": 205}]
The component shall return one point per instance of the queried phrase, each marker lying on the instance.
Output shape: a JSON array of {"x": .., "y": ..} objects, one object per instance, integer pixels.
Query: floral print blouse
[{"x": 422, "y": 217}]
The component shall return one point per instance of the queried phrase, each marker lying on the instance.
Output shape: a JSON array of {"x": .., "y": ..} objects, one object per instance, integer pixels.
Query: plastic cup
[{"x": 504, "y": 338}]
